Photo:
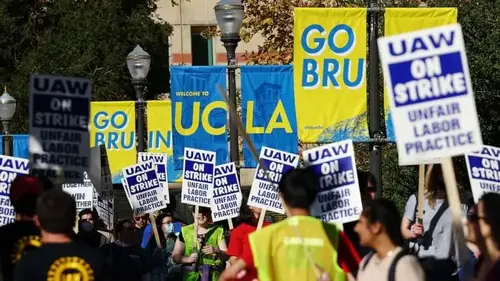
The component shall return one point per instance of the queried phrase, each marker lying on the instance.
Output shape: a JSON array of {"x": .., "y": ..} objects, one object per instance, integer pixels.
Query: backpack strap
[
  {"x": 369, "y": 256},
  {"x": 392, "y": 268}
]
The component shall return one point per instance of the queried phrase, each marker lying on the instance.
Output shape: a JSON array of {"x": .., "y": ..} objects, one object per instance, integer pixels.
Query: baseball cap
[{"x": 25, "y": 186}]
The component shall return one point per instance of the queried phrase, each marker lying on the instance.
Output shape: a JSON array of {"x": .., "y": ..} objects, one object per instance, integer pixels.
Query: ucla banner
[
  {"x": 268, "y": 108},
  {"x": 329, "y": 74},
  {"x": 160, "y": 135},
  {"x": 403, "y": 20},
  {"x": 113, "y": 124},
  {"x": 199, "y": 112}
]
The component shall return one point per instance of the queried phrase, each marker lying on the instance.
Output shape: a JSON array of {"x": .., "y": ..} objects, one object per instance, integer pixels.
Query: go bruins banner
[
  {"x": 113, "y": 124},
  {"x": 160, "y": 135},
  {"x": 402, "y": 20},
  {"x": 329, "y": 74}
]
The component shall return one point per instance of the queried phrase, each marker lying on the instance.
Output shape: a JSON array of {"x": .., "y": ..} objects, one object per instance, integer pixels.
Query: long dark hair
[
  {"x": 491, "y": 201},
  {"x": 386, "y": 213},
  {"x": 246, "y": 215}
]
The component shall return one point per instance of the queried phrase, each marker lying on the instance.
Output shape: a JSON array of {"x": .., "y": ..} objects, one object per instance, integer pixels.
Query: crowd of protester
[{"x": 42, "y": 243}]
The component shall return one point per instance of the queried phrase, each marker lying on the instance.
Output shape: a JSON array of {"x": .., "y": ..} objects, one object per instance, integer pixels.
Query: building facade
[{"x": 188, "y": 46}]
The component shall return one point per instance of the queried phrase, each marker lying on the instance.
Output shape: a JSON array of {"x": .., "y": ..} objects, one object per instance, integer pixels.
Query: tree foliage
[
  {"x": 481, "y": 26},
  {"x": 80, "y": 38}
]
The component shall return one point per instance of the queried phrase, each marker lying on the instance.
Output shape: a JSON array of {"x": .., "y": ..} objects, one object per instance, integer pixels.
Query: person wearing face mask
[
  {"x": 164, "y": 268},
  {"x": 125, "y": 258},
  {"x": 87, "y": 232}
]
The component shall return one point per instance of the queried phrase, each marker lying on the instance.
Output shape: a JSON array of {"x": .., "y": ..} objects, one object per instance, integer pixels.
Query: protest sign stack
[
  {"x": 339, "y": 198},
  {"x": 264, "y": 192},
  {"x": 10, "y": 167},
  {"x": 83, "y": 193},
  {"x": 431, "y": 102},
  {"x": 59, "y": 127},
  {"x": 226, "y": 195},
  {"x": 483, "y": 167},
  {"x": 160, "y": 160}
]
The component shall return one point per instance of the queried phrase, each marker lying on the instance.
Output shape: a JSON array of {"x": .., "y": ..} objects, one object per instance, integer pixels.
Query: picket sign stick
[
  {"x": 232, "y": 113},
  {"x": 196, "y": 213},
  {"x": 155, "y": 230},
  {"x": 421, "y": 191},
  {"x": 230, "y": 222},
  {"x": 454, "y": 202}
]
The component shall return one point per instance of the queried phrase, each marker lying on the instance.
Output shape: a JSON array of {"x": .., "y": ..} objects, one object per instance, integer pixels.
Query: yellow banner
[
  {"x": 329, "y": 74},
  {"x": 160, "y": 134},
  {"x": 402, "y": 20},
  {"x": 113, "y": 124}
]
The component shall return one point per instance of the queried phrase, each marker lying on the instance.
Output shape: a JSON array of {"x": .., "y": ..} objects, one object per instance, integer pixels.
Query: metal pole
[
  {"x": 374, "y": 99},
  {"x": 7, "y": 139},
  {"x": 139, "y": 86},
  {"x": 230, "y": 43}
]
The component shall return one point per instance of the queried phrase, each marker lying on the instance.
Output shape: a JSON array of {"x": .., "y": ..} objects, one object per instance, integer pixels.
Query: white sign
[
  {"x": 226, "y": 196},
  {"x": 483, "y": 167},
  {"x": 83, "y": 193},
  {"x": 264, "y": 192},
  {"x": 198, "y": 177},
  {"x": 160, "y": 160},
  {"x": 59, "y": 127},
  {"x": 105, "y": 209},
  {"x": 143, "y": 189},
  {"x": 339, "y": 198},
  {"x": 430, "y": 94},
  {"x": 10, "y": 167}
]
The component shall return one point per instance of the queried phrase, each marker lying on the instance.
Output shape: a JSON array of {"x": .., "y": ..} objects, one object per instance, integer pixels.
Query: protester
[
  {"x": 125, "y": 258},
  {"x": 170, "y": 223},
  {"x": 487, "y": 237},
  {"x": 164, "y": 267},
  {"x": 206, "y": 257},
  {"x": 59, "y": 258},
  {"x": 433, "y": 241},
  {"x": 378, "y": 228},
  {"x": 22, "y": 235},
  {"x": 140, "y": 223},
  {"x": 367, "y": 188},
  {"x": 248, "y": 219},
  {"x": 330, "y": 250},
  {"x": 87, "y": 231}
]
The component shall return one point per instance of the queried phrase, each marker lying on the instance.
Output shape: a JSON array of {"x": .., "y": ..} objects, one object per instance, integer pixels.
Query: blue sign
[
  {"x": 268, "y": 108},
  {"x": 484, "y": 171},
  {"x": 10, "y": 167},
  {"x": 59, "y": 127},
  {"x": 339, "y": 198},
  {"x": 430, "y": 93},
  {"x": 160, "y": 161},
  {"x": 226, "y": 199},
  {"x": 199, "y": 112},
  {"x": 143, "y": 189},
  {"x": 264, "y": 192},
  {"x": 198, "y": 177}
]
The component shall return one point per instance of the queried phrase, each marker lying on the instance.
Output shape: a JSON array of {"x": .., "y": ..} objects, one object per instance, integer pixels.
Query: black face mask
[{"x": 86, "y": 226}]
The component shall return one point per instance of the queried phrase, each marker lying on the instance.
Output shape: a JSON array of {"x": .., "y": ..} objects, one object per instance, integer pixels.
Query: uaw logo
[
  {"x": 70, "y": 269},
  {"x": 23, "y": 245}
]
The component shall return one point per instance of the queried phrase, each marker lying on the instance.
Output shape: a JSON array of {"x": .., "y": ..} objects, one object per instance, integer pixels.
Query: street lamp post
[
  {"x": 138, "y": 63},
  {"x": 7, "y": 110},
  {"x": 229, "y": 15}
]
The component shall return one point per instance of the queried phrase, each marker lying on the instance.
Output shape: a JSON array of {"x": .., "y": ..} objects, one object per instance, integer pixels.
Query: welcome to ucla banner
[
  {"x": 268, "y": 109},
  {"x": 113, "y": 124},
  {"x": 199, "y": 112},
  {"x": 403, "y": 20},
  {"x": 160, "y": 135},
  {"x": 329, "y": 74}
]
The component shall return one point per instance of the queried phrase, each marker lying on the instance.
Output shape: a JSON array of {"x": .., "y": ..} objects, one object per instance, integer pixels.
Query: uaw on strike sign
[
  {"x": 10, "y": 167},
  {"x": 339, "y": 198},
  {"x": 226, "y": 199},
  {"x": 430, "y": 94},
  {"x": 483, "y": 167},
  {"x": 59, "y": 127},
  {"x": 198, "y": 177}
]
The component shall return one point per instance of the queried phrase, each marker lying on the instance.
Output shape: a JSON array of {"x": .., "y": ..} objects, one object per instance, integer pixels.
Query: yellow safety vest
[
  {"x": 278, "y": 251},
  {"x": 215, "y": 235}
]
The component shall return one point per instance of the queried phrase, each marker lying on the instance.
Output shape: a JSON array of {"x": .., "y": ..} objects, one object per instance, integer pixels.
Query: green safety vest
[{"x": 212, "y": 238}]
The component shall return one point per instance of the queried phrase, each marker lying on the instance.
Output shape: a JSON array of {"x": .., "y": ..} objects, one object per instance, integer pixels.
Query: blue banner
[
  {"x": 198, "y": 111},
  {"x": 20, "y": 144},
  {"x": 268, "y": 108}
]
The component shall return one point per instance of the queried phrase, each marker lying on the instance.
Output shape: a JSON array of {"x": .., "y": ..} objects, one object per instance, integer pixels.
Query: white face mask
[{"x": 168, "y": 228}]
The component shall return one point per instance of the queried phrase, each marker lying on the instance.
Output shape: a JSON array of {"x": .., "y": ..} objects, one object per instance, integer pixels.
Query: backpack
[{"x": 392, "y": 269}]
